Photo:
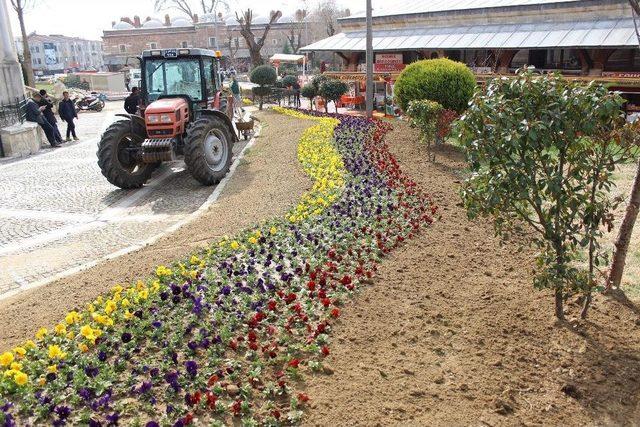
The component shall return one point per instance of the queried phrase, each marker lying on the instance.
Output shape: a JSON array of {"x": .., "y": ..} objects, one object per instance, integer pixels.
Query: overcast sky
[{"x": 87, "y": 18}]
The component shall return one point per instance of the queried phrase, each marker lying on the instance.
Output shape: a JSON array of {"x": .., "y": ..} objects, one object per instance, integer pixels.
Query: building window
[
  {"x": 275, "y": 41},
  {"x": 39, "y": 61},
  {"x": 123, "y": 48},
  {"x": 153, "y": 45},
  {"x": 212, "y": 42},
  {"x": 37, "y": 49},
  {"x": 185, "y": 44}
]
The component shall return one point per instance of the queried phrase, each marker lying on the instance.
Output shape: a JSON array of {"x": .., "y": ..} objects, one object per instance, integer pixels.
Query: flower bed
[{"x": 224, "y": 336}]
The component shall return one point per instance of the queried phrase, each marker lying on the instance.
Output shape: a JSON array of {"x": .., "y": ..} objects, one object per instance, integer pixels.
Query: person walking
[
  {"x": 48, "y": 114},
  {"x": 34, "y": 114},
  {"x": 237, "y": 98},
  {"x": 296, "y": 94},
  {"x": 132, "y": 101},
  {"x": 67, "y": 111}
]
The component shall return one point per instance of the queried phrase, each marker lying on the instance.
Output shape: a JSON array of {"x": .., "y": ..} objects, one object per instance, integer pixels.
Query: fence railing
[{"x": 11, "y": 113}]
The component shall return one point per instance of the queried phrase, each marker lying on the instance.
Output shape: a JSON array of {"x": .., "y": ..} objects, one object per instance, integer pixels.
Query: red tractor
[{"x": 181, "y": 114}]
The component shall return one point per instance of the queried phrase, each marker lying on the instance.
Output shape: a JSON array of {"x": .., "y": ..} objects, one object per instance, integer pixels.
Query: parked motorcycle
[{"x": 93, "y": 102}]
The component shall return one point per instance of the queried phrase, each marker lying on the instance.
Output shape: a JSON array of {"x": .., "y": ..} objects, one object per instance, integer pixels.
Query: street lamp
[{"x": 369, "y": 59}]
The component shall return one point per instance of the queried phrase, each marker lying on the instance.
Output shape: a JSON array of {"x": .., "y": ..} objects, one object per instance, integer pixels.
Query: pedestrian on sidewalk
[
  {"x": 132, "y": 101},
  {"x": 237, "y": 97},
  {"x": 296, "y": 94},
  {"x": 67, "y": 111},
  {"x": 48, "y": 114},
  {"x": 34, "y": 114}
]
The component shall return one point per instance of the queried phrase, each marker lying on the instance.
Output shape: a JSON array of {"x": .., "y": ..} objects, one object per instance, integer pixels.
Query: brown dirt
[
  {"x": 267, "y": 183},
  {"x": 453, "y": 333}
]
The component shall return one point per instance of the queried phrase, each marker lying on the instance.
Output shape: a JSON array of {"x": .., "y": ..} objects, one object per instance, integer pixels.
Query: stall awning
[
  {"x": 285, "y": 57},
  {"x": 604, "y": 33}
]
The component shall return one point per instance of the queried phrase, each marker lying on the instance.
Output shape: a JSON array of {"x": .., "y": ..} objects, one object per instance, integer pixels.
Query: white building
[{"x": 57, "y": 54}]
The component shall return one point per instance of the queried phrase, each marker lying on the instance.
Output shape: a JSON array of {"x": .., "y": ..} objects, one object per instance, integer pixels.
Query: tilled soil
[
  {"x": 268, "y": 182},
  {"x": 452, "y": 332}
]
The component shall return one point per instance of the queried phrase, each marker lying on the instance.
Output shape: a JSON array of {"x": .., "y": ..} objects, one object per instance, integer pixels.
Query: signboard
[
  {"x": 388, "y": 63},
  {"x": 623, "y": 75},
  {"x": 50, "y": 54}
]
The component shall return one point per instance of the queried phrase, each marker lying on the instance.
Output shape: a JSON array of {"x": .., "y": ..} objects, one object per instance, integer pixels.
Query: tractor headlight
[{"x": 159, "y": 118}]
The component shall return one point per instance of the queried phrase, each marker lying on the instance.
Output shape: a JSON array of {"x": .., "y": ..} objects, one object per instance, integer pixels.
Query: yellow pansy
[
  {"x": 20, "y": 351},
  {"x": 110, "y": 307},
  {"x": 234, "y": 245},
  {"x": 21, "y": 378},
  {"x": 125, "y": 303},
  {"x": 6, "y": 358},
  {"x": 143, "y": 294},
  {"x": 55, "y": 352},
  {"x": 253, "y": 240},
  {"x": 29, "y": 345},
  {"x": 128, "y": 315},
  {"x": 194, "y": 260},
  {"x": 71, "y": 335},
  {"x": 83, "y": 347},
  {"x": 42, "y": 332},
  {"x": 60, "y": 329},
  {"x": 117, "y": 289},
  {"x": 15, "y": 366},
  {"x": 273, "y": 230},
  {"x": 162, "y": 271},
  {"x": 72, "y": 317},
  {"x": 42, "y": 381},
  {"x": 53, "y": 369},
  {"x": 155, "y": 286}
]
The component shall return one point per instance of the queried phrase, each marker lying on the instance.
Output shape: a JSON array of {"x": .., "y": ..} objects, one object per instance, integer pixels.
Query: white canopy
[{"x": 285, "y": 57}]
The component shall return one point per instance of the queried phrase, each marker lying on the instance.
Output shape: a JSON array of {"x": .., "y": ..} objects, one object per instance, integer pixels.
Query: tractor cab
[{"x": 192, "y": 74}]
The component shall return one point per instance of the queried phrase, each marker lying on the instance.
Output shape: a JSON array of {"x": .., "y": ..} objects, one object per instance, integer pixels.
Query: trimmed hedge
[
  {"x": 264, "y": 75},
  {"x": 449, "y": 83}
]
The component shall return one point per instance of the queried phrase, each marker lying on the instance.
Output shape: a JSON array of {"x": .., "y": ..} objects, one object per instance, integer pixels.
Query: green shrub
[
  {"x": 309, "y": 91},
  {"x": 288, "y": 81},
  {"x": 332, "y": 90},
  {"x": 317, "y": 81},
  {"x": 449, "y": 83},
  {"x": 542, "y": 151},
  {"x": 73, "y": 81},
  {"x": 424, "y": 115},
  {"x": 264, "y": 75}
]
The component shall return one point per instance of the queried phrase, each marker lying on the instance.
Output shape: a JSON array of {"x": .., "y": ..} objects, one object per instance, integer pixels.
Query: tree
[
  {"x": 332, "y": 90},
  {"x": 626, "y": 228},
  {"x": 20, "y": 6},
  {"x": 206, "y": 6},
  {"x": 294, "y": 37},
  {"x": 309, "y": 91},
  {"x": 327, "y": 14},
  {"x": 233, "y": 44},
  {"x": 255, "y": 45},
  {"x": 542, "y": 151},
  {"x": 265, "y": 76}
]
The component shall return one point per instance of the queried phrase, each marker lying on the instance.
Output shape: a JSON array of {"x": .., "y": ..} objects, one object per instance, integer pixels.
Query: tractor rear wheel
[
  {"x": 116, "y": 155},
  {"x": 208, "y": 150}
]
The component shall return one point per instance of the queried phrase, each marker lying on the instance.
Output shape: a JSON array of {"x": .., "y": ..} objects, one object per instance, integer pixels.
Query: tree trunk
[
  {"x": 256, "y": 58},
  {"x": 559, "y": 304},
  {"x": 624, "y": 235},
  {"x": 26, "y": 54}
]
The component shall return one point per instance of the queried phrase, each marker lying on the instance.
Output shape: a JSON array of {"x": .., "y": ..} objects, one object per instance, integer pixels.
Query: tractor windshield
[{"x": 173, "y": 77}]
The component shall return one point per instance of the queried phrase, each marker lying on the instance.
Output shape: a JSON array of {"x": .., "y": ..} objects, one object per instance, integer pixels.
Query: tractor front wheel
[
  {"x": 117, "y": 155},
  {"x": 208, "y": 150}
]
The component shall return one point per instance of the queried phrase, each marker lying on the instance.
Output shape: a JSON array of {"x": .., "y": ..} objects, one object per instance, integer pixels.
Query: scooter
[{"x": 93, "y": 102}]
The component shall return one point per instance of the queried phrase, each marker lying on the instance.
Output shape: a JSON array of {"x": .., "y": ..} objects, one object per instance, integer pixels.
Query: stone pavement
[{"x": 57, "y": 211}]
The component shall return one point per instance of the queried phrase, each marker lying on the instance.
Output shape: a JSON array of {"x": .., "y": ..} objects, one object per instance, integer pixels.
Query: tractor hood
[{"x": 166, "y": 105}]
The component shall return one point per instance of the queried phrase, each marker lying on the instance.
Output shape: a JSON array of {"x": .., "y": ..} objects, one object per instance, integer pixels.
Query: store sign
[
  {"x": 623, "y": 75},
  {"x": 50, "y": 54},
  {"x": 388, "y": 62}
]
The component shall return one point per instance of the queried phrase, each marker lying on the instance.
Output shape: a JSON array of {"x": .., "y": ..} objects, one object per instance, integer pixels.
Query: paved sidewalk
[{"x": 57, "y": 211}]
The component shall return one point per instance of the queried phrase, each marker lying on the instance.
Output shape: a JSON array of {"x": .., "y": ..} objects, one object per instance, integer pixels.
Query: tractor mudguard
[
  {"x": 134, "y": 118},
  {"x": 225, "y": 118}
]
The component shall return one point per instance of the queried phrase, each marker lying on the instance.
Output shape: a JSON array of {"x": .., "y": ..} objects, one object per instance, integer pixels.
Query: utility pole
[{"x": 369, "y": 86}]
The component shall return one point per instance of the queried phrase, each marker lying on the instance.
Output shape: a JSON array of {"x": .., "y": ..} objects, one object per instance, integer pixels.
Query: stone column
[{"x": 11, "y": 84}]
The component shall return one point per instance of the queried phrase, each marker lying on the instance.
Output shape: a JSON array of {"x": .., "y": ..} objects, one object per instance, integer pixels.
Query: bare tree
[
  {"x": 233, "y": 44},
  {"x": 294, "y": 37},
  {"x": 255, "y": 45},
  {"x": 19, "y": 6},
  {"x": 185, "y": 6},
  {"x": 327, "y": 13},
  {"x": 626, "y": 228}
]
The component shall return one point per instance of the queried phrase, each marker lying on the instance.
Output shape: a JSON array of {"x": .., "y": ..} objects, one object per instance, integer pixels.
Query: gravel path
[
  {"x": 267, "y": 183},
  {"x": 453, "y": 333}
]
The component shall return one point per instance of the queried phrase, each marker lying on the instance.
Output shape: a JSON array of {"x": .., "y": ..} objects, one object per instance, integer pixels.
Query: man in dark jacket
[
  {"x": 48, "y": 114},
  {"x": 67, "y": 111},
  {"x": 34, "y": 114},
  {"x": 132, "y": 101}
]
